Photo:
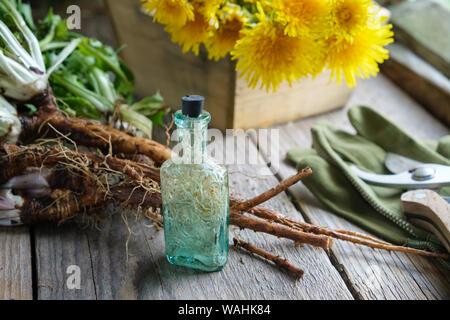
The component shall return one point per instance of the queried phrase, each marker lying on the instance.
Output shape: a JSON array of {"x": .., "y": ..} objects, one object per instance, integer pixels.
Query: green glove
[{"x": 376, "y": 209}]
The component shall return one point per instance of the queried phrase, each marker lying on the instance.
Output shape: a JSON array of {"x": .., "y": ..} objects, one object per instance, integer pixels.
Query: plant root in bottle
[{"x": 195, "y": 198}]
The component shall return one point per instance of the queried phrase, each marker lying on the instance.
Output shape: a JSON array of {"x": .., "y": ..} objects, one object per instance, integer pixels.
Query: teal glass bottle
[{"x": 195, "y": 199}]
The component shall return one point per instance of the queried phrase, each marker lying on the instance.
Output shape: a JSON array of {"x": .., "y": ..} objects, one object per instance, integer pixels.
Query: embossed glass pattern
[{"x": 195, "y": 200}]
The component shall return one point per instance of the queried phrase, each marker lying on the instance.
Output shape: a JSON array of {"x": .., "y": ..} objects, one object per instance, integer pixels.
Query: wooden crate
[{"x": 159, "y": 64}]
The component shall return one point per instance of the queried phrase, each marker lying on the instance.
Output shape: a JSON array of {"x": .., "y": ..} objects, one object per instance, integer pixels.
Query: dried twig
[
  {"x": 282, "y": 186},
  {"x": 282, "y": 263},
  {"x": 258, "y": 225},
  {"x": 355, "y": 237}
]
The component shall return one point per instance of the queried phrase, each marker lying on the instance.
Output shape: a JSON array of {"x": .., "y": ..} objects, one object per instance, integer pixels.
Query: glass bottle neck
[{"x": 192, "y": 137}]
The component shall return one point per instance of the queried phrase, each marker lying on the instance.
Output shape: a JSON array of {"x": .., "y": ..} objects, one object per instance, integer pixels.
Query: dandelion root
[{"x": 282, "y": 263}]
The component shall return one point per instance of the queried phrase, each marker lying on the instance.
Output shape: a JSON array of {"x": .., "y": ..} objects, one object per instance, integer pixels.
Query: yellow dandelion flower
[
  {"x": 361, "y": 56},
  {"x": 350, "y": 17},
  {"x": 191, "y": 35},
  {"x": 173, "y": 12},
  {"x": 268, "y": 56},
  {"x": 208, "y": 8},
  {"x": 250, "y": 5},
  {"x": 223, "y": 39},
  {"x": 303, "y": 17}
]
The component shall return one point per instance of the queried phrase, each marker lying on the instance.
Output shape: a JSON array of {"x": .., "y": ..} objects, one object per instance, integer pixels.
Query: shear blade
[
  {"x": 401, "y": 180},
  {"x": 396, "y": 163}
]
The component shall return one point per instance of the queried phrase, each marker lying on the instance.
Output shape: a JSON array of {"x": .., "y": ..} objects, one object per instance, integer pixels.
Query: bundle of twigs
[{"x": 78, "y": 180}]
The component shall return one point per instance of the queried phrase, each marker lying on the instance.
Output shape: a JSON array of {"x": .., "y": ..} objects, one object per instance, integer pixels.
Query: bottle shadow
[{"x": 159, "y": 279}]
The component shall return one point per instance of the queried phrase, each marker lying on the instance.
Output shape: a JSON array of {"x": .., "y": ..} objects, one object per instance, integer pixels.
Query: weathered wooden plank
[
  {"x": 15, "y": 264},
  {"x": 247, "y": 277},
  {"x": 372, "y": 274},
  {"x": 107, "y": 274},
  {"x": 58, "y": 248},
  {"x": 120, "y": 257},
  {"x": 105, "y": 269},
  {"x": 423, "y": 26},
  {"x": 421, "y": 80},
  {"x": 148, "y": 275}
]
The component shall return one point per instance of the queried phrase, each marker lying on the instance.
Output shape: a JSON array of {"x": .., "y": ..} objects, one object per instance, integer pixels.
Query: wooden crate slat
[{"x": 304, "y": 98}]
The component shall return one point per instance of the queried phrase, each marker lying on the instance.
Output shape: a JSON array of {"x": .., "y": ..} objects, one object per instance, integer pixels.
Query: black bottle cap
[{"x": 192, "y": 105}]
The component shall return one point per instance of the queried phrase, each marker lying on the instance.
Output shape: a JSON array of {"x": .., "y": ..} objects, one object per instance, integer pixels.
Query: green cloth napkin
[{"x": 376, "y": 209}]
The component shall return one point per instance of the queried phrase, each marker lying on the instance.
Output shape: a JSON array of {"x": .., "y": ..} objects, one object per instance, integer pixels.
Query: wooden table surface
[{"x": 34, "y": 260}]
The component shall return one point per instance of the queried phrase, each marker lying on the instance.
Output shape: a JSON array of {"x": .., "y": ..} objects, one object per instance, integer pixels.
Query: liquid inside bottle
[{"x": 195, "y": 200}]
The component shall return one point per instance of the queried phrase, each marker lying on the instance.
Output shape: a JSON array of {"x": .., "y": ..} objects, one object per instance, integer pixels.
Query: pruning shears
[
  {"x": 422, "y": 206},
  {"x": 408, "y": 174}
]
